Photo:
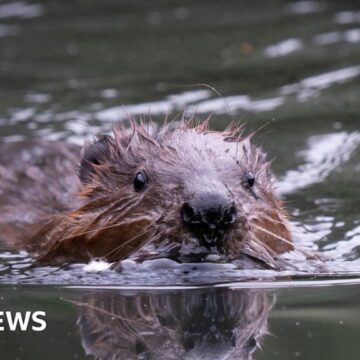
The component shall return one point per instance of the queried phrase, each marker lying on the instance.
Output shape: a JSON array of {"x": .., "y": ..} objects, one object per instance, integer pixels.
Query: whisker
[
  {"x": 121, "y": 209},
  {"x": 269, "y": 218},
  {"x": 100, "y": 228},
  {"x": 121, "y": 246},
  {"x": 95, "y": 230},
  {"x": 272, "y": 234},
  {"x": 304, "y": 252},
  {"x": 262, "y": 252},
  {"x": 122, "y": 202},
  {"x": 100, "y": 310}
]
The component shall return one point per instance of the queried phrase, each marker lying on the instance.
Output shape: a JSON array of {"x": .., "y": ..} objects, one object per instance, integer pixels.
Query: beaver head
[{"x": 175, "y": 190}]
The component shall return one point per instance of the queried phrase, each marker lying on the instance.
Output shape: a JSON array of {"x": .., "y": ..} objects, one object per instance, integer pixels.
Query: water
[
  {"x": 308, "y": 322},
  {"x": 67, "y": 71}
]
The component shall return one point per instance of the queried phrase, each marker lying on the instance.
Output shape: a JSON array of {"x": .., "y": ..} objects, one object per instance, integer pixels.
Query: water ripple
[
  {"x": 324, "y": 154},
  {"x": 20, "y": 9}
]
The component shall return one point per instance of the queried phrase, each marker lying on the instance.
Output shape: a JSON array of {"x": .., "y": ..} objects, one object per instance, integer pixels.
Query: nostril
[
  {"x": 187, "y": 213},
  {"x": 209, "y": 217},
  {"x": 229, "y": 215}
]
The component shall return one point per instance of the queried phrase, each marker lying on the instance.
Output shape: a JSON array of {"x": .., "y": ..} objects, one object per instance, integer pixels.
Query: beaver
[
  {"x": 196, "y": 324},
  {"x": 182, "y": 191}
]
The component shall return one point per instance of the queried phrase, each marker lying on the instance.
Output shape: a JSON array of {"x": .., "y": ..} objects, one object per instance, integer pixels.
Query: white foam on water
[
  {"x": 97, "y": 266},
  {"x": 342, "y": 249},
  {"x": 284, "y": 47},
  {"x": 323, "y": 155}
]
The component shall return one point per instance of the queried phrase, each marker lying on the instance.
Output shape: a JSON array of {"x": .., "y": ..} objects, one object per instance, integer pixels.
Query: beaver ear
[{"x": 94, "y": 154}]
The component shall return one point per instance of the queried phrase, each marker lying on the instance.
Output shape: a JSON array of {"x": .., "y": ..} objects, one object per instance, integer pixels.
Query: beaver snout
[{"x": 209, "y": 216}]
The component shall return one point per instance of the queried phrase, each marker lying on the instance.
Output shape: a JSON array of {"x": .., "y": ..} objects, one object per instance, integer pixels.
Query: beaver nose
[{"x": 208, "y": 216}]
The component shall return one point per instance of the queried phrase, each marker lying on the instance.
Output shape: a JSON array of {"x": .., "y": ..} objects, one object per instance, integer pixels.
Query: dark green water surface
[
  {"x": 69, "y": 69},
  {"x": 307, "y": 322}
]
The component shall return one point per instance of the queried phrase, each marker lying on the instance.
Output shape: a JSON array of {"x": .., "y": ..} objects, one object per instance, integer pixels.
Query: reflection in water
[{"x": 188, "y": 324}]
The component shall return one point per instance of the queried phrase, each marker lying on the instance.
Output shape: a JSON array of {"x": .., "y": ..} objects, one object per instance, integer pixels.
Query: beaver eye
[
  {"x": 140, "y": 180},
  {"x": 250, "y": 179}
]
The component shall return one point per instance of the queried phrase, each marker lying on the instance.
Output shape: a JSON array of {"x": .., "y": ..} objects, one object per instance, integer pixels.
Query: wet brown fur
[{"x": 113, "y": 221}]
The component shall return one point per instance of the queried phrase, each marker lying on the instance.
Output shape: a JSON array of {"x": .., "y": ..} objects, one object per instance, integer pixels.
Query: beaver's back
[{"x": 37, "y": 178}]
